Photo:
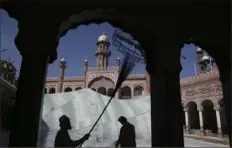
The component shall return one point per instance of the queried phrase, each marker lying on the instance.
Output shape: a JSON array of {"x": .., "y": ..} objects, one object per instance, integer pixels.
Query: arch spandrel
[
  {"x": 110, "y": 75},
  {"x": 100, "y": 82}
]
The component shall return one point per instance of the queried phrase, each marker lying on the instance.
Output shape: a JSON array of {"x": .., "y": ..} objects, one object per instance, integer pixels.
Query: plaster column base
[
  {"x": 187, "y": 129},
  {"x": 202, "y": 131},
  {"x": 220, "y": 133}
]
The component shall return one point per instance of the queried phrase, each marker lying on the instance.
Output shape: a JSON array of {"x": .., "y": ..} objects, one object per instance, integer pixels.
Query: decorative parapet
[
  {"x": 201, "y": 77},
  {"x": 74, "y": 78},
  {"x": 139, "y": 76},
  {"x": 52, "y": 79},
  {"x": 108, "y": 68}
]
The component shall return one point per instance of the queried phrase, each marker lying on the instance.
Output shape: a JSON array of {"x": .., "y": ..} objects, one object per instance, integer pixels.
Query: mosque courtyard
[{"x": 84, "y": 106}]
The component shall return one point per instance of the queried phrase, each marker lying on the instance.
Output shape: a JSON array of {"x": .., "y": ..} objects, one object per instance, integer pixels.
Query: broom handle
[{"x": 102, "y": 112}]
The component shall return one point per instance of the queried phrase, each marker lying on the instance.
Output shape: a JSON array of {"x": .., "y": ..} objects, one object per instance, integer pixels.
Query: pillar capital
[
  {"x": 217, "y": 107},
  {"x": 35, "y": 41},
  {"x": 164, "y": 58},
  {"x": 186, "y": 109},
  {"x": 200, "y": 108}
]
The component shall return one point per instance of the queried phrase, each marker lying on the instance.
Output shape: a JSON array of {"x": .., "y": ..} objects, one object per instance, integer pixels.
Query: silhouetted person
[
  {"x": 62, "y": 137},
  {"x": 127, "y": 134}
]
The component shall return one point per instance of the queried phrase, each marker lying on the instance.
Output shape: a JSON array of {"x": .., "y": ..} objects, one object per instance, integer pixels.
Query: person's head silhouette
[
  {"x": 65, "y": 122},
  {"x": 122, "y": 120}
]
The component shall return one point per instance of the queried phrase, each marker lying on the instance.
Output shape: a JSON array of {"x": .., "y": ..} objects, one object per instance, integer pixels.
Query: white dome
[
  {"x": 103, "y": 38},
  {"x": 62, "y": 60},
  {"x": 118, "y": 58},
  {"x": 86, "y": 60},
  {"x": 205, "y": 57},
  {"x": 199, "y": 49}
]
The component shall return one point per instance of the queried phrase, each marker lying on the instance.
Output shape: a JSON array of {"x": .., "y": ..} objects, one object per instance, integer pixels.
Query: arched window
[
  {"x": 102, "y": 90},
  {"x": 67, "y": 89},
  {"x": 125, "y": 92},
  {"x": 138, "y": 91},
  {"x": 209, "y": 116},
  {"x": 52, "y": 90},
  {"x": 110, "y": 91},
  {"x": 78, "y": 88}
]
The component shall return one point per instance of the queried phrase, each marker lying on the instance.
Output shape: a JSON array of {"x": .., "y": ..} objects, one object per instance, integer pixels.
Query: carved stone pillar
[
  {"x": 187, "y": 120},
  {"x": 117, "y": 95},
  {"x": 200, "y": 109},
  {"x": 218, "y": 117},
  {"x": 166, "y": 109},
  {"x": 37, "y": 47},
  {"x": 132, "y": 91},
  {"x": 29, "y": 96}
]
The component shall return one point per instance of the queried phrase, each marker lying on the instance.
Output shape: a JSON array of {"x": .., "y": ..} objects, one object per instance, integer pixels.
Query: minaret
[
  {"x": 202, "y": 60},
  {"x": 117, "y": 96},
  {"x": 102, "y": 52},
  {"x": 85, "y": 72},
  {"x": 61, "y": 78}
]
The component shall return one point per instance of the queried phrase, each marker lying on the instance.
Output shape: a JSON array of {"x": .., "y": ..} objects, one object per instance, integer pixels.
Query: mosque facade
[{"x": 101, "y": 78}]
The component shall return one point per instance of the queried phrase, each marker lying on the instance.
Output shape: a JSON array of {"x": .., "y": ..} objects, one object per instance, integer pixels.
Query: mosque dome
[
  {"x": 103, "y": 38},
  {"x": 199, "y": 49},
  {"x": 205, "y": 57}
]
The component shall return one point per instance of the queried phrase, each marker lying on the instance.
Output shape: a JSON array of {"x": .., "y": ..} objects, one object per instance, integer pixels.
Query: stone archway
[
  {"x": 94, "y": 89},
  {"x": 102, "y": 90},
  {"x": 78, "y": 88},
  {"x": 209, "y": 116},
  {"x": 110, "y": 91},
  {"x": 68, "y": 89},
  {"x": 125, "y": 92},
  {"x": 138, "y": 91},
  {"x": 193, "y": 115},
  {"x": 223, "y": 117},
  {"x": 52, "y": 90},
  {"x": 102, "y": 83}
]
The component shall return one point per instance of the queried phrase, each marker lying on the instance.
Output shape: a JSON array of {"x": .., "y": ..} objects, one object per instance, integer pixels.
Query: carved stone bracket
[
  {"x": 200, "y": 108},
  {"x": 217, "y": 107}
]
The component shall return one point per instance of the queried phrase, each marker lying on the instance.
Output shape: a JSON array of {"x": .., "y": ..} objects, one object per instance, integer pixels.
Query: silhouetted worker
[
  {"x": 62, "y": 137},
  {"x": 127, "y": 134}
]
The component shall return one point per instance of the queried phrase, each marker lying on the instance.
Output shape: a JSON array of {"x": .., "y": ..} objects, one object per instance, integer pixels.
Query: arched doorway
[
  {"x": 209, "y": 116},
  {"x": 125, "y": 92},
  {"x": 78, "y": 88},
  {"x": 110, "y": 91},
  {"x": 68, "y": 89},
  {"x": 193, "y": 115},
  {"x": 138, "y": 91},
  {"x": 52, "y": 90},
  {"x": 45, "y": 91},
  {"x": 102, "y": 90},
  {"x": 223, "y": 117}
]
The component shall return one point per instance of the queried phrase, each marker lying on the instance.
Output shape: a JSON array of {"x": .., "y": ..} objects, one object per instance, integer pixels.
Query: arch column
[
  {"x": 200, "y": 109},
  {"x": 166, "y": 109},
  {"x": 37, "y": 49},
  {"x": 218, "y": 117},
  {"x": 187, "y": 120}
]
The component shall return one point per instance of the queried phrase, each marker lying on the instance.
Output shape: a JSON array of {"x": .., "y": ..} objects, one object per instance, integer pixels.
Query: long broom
[{"x": 128, "y": 64}]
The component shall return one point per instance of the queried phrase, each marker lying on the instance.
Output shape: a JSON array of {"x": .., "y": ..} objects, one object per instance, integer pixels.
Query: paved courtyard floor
[{"x": 188, "y": 143}]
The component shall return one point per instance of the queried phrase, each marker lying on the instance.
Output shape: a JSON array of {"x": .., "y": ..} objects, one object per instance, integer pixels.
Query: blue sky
[{"x": 77, "y": 45}]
